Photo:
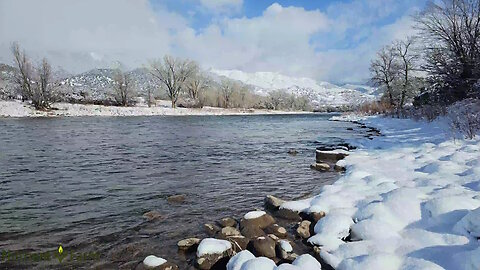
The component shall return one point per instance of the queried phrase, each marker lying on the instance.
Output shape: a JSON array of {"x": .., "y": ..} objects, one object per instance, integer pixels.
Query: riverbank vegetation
[{"x": 435, "y": 73}]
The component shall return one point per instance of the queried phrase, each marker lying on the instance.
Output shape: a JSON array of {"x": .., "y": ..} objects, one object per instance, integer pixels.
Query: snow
[
  {"x": 20, "y": 109},
  {"x": 236, "y": 262},
  {"x": 260, "y": 263},
  {"x": 320, "y": 93},
  {"x": 213, "y": 246},
  {"x": 285, "y": 245},
  {"x": 307, "y": 262},
  {"x": 153, "y": 261},
  {"x": 410, "y": 199},
  {"x": 254, "y": 214}
]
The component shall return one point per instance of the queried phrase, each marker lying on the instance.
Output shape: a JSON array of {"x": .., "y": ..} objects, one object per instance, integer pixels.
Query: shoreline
[{"x": 18, "y": 109}]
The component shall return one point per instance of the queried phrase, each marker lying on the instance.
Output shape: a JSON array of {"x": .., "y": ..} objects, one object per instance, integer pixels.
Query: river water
[{"x": 84, "y": 183}]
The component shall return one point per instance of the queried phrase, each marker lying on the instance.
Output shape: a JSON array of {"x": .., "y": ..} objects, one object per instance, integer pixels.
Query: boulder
[
  {"x": 273, "y": 203},
  {"x": 152, "y": 215},
  {"x": 321, "y": 167},
  {"x": 276, "y": 230},
  {"x": 188, "y": 244},
  {"x": 334, "y": 155},
  {"x": 228, "y": 231},
  {"x": 176, "y": 198},
  {"x": 284, "y": 248},
  {"x": 252, "y": 232},
  {"x": 258, "y": 219},
  {"x": 262, "y": 246},
  {"x": 288, "y": 214},
  {"x": 211, "y": 229},
  {"x": 303, "y": 229},
  {"x": 339, "y": 168},
  {"x": 227, "y": 222}
]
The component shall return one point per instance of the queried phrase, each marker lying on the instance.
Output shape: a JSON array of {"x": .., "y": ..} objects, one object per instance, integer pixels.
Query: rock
[
  {"x": 274, "y": 237},
  {"x": 316, "y": 216},
  {"x": 228, "y": 222},
  {"x": 152, "y": 215},
  {"x": 303, "y": 229},
  {"x": 239, "y": 243},
  {"x": 292, "y": 152},
  {"x": 176, "y": 198},
  {"x": 252, "y": 232},
  {"x": 339, "y": 168},
  {"x": 211, "y": 229},
  {"x": 125, "y": 253},
  {"x": 126, "y": 266},
  {"x": 228, "y": 231},
  {"x": 213, "y": 253},
  {"x": 335, "y": 155},
  {"x": 262, "y": 246},
  {"x": 276, "y": 230},
  {"x": 349, "y": 128},
  {"x": 258, "y": 219},
  {"x": 188, "y": 244},
  {"x": 288, "y": 214},
  {"x": 273, "y": 203},
  {"x": 322, "y": 167}
]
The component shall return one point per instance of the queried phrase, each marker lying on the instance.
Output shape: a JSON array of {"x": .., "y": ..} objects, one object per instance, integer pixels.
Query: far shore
[{"x": 16, "y": 109}]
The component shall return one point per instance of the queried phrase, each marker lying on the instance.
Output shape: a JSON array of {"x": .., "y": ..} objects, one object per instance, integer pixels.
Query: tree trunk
[{"x": 174, "y": 105}]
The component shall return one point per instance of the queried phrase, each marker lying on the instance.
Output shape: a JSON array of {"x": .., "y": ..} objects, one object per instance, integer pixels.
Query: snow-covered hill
[{"x": 321, "y": 94}]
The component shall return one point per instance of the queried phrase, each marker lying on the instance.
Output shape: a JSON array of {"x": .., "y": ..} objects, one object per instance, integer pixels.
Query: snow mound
[
  {"x": 236, "y": 262},
  {"x": 212, "y": 246},
  {"x": 260, "y": 263},
  {"x": 254, "y": 214},
  {"x": 153, "y": 261}
]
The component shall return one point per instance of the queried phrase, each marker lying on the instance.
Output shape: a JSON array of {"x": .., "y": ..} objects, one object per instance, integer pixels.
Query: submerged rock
[
  {"x": 292, "y": 152},
  {"x": 176, "y": 198},
  {"x": 152, "y": 215}
]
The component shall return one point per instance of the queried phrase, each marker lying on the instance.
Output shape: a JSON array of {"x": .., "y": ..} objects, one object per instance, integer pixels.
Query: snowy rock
[
  {"x": 307, "y": 262},
  {"x": 303, "y": 229},
  {"x": 378, "y": 261},
  {"x": 337, "y": 225},
  {"x": 258, "y": 219},
  {"x": 213, "y": 246},
  {"x": 285, "y": 245},
  {"x": 272, "y": 202},
  {"x": 152, "y": 261}
]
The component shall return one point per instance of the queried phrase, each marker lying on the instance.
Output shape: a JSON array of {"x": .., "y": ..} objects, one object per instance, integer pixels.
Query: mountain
[{"x": 321, "y": 94}]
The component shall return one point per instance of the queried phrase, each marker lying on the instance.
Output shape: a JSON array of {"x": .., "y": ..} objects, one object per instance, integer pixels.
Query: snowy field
[
  {"x": 410, "y": 200},
  {"x": 20, "y": 109}
]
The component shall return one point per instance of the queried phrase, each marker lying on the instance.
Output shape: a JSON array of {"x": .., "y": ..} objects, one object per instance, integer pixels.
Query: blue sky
[{"x": 322, "y": 39}]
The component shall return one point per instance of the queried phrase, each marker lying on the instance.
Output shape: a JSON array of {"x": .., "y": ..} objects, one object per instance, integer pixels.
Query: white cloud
[
  {"x": 223, "y": 6},
  {"x": 80, "y": 35}
]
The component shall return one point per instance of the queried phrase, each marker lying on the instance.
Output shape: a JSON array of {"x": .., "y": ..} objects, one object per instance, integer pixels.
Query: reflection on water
[{"x": 85, "y": 182}]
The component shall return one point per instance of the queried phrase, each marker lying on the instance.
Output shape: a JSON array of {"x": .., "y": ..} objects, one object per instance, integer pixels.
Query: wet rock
[
  {"x": 349, "y": 128},
  {"x": 252, "y": 232},
  {"x": 284, "y": 248},
  {"x": 239, "y": 243},
  {"x": 273, "y": 203},
  {"x": 188, "y": 244},
  {"x": 288, "y": 214},
  {"x": 292, "y": 152},
  {"x": 274, "y": 237},
  {"x": 176, "y": 198},
  {"x": 211, "y": 229},
  {"x": 262, "y": 246},
  {"x": 322, "y": 167},
  {"x": 316, "y": 216},
  {"x": 303, "y": 229},
  {"x": 152, "y": 215},
  {"x": 228, "y": 222},
  {"x": 322, "y": 156},
  {"x": 276, "y": 230},
  {"x": 258, "y": 219},
  {"x": 228, "y": 231}
]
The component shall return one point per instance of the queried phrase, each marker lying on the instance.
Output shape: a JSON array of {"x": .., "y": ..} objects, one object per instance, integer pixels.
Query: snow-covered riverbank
[
  {"x": 407, "y": 201},
  {"x": 20, "y": 109}
]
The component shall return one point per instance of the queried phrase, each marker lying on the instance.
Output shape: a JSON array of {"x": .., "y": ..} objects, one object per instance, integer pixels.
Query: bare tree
[
  {"x": 384, "y": 71},
  {"x": 196, "y": 84},
  {"x": 227, "y": 89},
  {"x": 407, "y": 64},
  {"x": 122, "y": 88},
  {"x": 173, "y": 74},
  {"x": 35, "y": 84},
  {"x": 451, "y": 29}
]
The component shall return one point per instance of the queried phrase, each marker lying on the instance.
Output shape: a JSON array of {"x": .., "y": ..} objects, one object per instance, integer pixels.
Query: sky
[{"x": 325, "y": 40}]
